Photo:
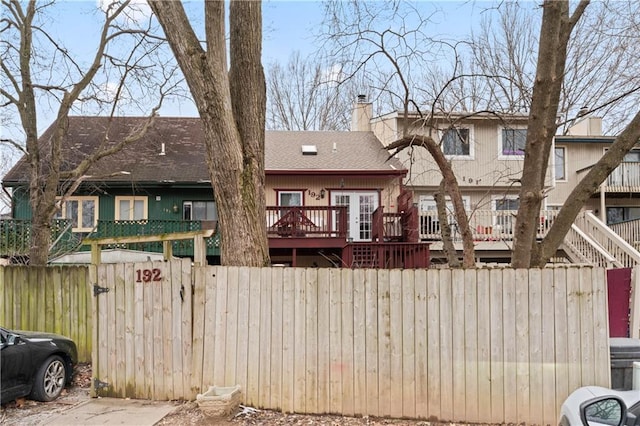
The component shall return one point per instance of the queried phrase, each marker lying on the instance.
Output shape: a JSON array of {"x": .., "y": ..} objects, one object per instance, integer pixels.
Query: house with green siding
[{"x": 328, "y": 194}]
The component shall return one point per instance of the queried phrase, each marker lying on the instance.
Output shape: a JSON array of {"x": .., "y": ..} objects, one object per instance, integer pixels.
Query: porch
[
  {"x": 486, "y": 225},
  {"x": 623, "y": 179},
  {"x": 323, "y": 236},
  {"x": 319, "y": 236}
]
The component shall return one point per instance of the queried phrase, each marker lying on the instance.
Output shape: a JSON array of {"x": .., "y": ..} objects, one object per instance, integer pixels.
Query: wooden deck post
[
  {"x": 95, "y": 253},
  {"x": 167, "y": 250},
  {"x": 199, "y": 251}
]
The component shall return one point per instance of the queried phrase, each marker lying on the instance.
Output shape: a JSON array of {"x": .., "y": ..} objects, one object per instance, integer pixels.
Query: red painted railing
[
  {"x": 321, "y": 221},
  {"x": 386, "y": 255}
]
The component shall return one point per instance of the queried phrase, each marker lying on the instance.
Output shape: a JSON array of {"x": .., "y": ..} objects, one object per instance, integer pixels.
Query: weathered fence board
[
  {"x": 488, "y": 345},
  {"x": 403, "y": 343},
  {"x": 144, "y": 319},
  {"x": 53, "y": 299}
]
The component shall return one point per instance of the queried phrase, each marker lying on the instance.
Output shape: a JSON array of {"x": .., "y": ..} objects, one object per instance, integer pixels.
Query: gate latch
[{"x": 98, "y": 290}]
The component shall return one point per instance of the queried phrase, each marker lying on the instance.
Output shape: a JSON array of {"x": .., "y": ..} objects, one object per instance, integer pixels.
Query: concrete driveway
[{"x": 113, "y": 411}]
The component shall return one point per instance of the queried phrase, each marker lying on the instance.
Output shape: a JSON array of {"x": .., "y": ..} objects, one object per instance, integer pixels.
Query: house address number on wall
[{"x": 148, "y": 275}]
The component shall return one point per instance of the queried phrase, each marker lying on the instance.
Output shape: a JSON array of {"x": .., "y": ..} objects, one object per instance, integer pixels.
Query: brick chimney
[{"x": 361, "y": 115}]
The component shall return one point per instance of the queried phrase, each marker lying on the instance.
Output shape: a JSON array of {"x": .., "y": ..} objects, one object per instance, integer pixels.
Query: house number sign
[
  {"x": 148, "y": 275},
  {"x": 316, "y": 195}
]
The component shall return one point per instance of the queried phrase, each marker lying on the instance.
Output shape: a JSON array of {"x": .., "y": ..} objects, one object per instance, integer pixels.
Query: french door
[{"x": 360, "y": 207}]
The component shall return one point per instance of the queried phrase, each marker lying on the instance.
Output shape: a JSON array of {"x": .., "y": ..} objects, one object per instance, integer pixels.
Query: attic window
[{"x": 309, "y": 150}]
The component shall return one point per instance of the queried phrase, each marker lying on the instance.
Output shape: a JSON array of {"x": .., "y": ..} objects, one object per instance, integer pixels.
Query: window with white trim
[
  {"x": 82, "y": 211},
  {"x": 131, "y": 208},
  {"x": 199, "y": 210},
  {"x": 559, "y": 162},
  {"x": 457, "y": 142},
  {"x": 290, "y": 198},
  {"x": 512, "y": 142}
]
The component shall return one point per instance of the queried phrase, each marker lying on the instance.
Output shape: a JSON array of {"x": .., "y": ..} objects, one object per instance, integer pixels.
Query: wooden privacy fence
[
  {"x": 55, "y": 299},
  {"x": 483, "y": 346}
]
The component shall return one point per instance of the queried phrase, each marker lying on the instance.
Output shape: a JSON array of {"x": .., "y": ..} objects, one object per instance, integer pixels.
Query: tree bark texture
[
  {"x": 232, "y": 107},
  {"x": 587, "y": 186},
  {"x": 555, "y": 31},
  {"x": 451, "y": 186},
  {"x": 448, "y": 248}
]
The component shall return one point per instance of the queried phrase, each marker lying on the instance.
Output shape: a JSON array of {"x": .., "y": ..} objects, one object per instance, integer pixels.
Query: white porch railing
[
  {"x": 486, "y": 225},
  {"x": 629, "y": 231},
  {"x": 581, "y": 248},
  {"x": 626, "y": 175},
  {"x": 588, "y": 241},
  {"x": 625, "y": 254}
]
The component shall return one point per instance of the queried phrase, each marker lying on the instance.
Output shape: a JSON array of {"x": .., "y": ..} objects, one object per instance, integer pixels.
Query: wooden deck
[{"x": 307, "y": 231}]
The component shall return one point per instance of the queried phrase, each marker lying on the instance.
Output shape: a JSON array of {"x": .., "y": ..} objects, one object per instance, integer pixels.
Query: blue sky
[{"x": 288, "y": 26}]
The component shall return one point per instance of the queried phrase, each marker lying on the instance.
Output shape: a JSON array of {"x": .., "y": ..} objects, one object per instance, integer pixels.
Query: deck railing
[
  {"x": 581, "y": 248},
  {"x": 387, "y": 226},
  {"x": 306, "y": 221},
  {"x": 129, "y": 228},
  {"x": 629, "y": 230},
  {"x": 609, "y": 240},
  {"x": 626, "y": 175},
  {"x": 15, "y": 237},
  {"x": 386, "y": 255},
  {"x": 486, "y": 225}
]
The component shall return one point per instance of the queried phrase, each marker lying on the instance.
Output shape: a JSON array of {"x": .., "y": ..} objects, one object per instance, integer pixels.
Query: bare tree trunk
[
  {"x": 232, "y": 108},
  {"x": 24, "y": 69},
  {"x": 445, "y": 229},
  {"x": 587, "y": 186},
  {"x": 552, "y": 54},
  {"x": 452, "y": 188}
]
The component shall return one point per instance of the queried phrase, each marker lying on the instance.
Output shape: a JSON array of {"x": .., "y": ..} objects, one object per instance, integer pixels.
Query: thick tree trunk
[
  {"x": 232, "y": 108},
  {"x": 552, "y": 54},
  {"x": 587, "y": 186}
]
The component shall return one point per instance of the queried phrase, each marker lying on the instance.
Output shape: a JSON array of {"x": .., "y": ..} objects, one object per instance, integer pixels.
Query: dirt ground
[
  {"x": 28, "y": 412},
  {"x": 189, "y": 414}
]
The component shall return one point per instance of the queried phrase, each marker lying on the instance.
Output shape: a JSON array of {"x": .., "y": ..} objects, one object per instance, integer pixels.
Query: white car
[{"x": 595, "y": 405}]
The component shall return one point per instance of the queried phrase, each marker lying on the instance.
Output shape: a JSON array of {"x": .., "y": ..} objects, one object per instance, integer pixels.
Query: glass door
[{"x": 360, "y": 208}]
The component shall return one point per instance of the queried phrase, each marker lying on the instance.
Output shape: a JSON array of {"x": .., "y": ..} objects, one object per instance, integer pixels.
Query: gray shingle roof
[
  {"x": 335, "y": 151},
  {"x": 184, "y": 159}
]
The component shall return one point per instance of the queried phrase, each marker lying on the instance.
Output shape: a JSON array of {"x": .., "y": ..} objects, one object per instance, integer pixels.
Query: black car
[{"x": 38, "y": 365}]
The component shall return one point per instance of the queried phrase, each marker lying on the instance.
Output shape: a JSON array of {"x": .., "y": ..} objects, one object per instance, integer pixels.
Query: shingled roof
[{"x": 184, "y": 152}]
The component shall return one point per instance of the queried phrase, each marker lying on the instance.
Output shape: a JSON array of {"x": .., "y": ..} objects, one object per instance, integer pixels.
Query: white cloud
[
  {"x": 136, "y": 11},
  {"x": 333, "y": 74}
]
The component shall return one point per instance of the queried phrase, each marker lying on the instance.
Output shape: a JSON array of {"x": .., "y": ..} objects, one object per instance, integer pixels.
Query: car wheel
[{"x": 50, "y": 379}]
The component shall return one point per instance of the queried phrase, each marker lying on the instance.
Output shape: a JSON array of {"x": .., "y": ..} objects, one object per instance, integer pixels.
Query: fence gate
[
  {"x": 619, "y": 293},
  {"x": 142, "y": 330}
]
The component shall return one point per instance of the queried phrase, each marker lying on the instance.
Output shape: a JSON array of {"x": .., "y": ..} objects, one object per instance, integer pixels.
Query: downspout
[{"x": 603, "y": 213}]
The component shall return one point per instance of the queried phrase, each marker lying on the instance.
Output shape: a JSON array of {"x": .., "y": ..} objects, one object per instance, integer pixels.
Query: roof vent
[{"x": 309, "y": 150}]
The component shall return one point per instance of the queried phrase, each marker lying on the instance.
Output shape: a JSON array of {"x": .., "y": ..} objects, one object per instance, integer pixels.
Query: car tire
[{"x": 50, "y": 379}]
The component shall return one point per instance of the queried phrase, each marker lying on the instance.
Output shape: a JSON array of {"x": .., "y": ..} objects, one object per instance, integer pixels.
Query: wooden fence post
[{"x": 634, "y": 320}]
